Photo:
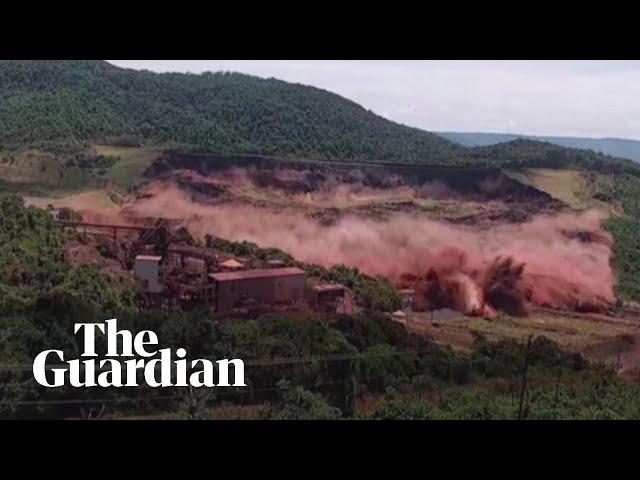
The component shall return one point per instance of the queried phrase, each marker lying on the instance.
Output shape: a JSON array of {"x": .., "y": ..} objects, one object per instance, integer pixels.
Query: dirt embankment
[
  {"x": 472, "y": 196},
  {"x": 305, "y": 177}
]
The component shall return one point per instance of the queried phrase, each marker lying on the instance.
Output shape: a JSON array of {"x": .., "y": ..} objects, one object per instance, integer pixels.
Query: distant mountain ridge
[{"x": 617, "y": 147}]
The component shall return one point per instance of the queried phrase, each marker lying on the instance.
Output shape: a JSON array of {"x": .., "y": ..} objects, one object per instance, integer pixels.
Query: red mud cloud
[{"x": 559, "y": 261}]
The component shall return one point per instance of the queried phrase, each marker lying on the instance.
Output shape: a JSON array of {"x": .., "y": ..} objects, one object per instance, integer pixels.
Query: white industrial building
[{"x": 147, "y": 272}]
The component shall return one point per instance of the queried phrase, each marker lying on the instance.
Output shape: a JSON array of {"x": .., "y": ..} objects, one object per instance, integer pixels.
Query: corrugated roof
[
  {"x": 232, "y": 263},
  {"x": 328, "y": 287},
  {"x": 151, "y": 258},
  {"x": 259, "y": 273}
]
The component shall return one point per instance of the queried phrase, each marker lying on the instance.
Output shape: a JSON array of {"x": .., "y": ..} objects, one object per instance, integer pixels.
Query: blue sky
[{"x": 574, "y": 98}]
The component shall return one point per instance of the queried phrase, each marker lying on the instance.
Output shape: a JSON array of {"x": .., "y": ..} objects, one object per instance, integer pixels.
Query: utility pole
[
  {"x": 618, "y": 362},
  {"x": 350, "y": 389},
  {"x": 557, "y": 395},
  {"x": 524, "y": 378}
]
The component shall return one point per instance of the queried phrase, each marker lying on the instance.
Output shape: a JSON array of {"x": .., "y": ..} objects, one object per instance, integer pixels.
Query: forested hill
[
  {"x": 53, "y": 104},
  {"x": 617, "y": 147},
  {"x": 47, "y": 102}
]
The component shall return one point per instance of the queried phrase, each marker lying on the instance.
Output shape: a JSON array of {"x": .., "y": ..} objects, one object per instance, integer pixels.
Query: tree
[
  {"x": 296, "y": 403},
  {"x": 403, "y": 410}
]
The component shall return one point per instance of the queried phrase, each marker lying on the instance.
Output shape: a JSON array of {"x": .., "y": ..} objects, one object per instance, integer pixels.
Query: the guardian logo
[{"x": 162, "y": 371}]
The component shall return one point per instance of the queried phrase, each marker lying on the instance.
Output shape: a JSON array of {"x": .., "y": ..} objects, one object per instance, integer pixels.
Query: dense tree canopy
[
  {"x": 74, "y": 101},
  {"x": 624, "y": 192},
  {"x": 57, "y": 104},
  {"x": 33, "y": 266}
]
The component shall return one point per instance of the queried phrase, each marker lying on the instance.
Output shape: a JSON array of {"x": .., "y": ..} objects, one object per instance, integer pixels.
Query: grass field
[
  {"x": 129, "y": 170},
  {"x": 97, "y": 200},
  {"x": 576, "y": 334},
  {"x": 41, "y": 173},
  {"x": 568, "y": 186},
  {"x": 38, "y": 173},
  {"x": 596, "y": 340}
]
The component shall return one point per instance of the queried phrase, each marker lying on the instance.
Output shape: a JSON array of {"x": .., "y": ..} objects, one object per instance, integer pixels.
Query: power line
[
  {"x": 253, "y": 362},
  {"x": 263, "y": 362},
  {"x": 80, "y": 401}
]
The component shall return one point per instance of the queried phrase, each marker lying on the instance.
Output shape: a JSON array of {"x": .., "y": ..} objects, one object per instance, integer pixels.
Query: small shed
[
  {"x": 406, "y": 298},
  {"x": 327, "y": 295},
  {"x": 231, "y": 265}
]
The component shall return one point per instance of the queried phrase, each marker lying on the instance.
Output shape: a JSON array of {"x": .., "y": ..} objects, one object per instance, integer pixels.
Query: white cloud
[{"x": 582, "y": 98}]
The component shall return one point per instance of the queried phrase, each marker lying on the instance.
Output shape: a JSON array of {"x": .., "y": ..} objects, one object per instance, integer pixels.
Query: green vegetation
[
  {"x": 338, "y": 361},
  {"x": 596, "y": 399},
  {"x": 46, "y": 173},
  {"x": 373, "y": 293},
  {"x": 532, "y": 154},
  {"x": 617, "y": 147},
  {"x": 560, "y": 386},
  {"x": 299, "y": 366},
  {"x": 318, "y": 366},
  {"x": 319, "y": 369},
  {"x": 133, "y": 161},
  {"x": 568, "y": 186},
  {"x": 625, "y": 191},
  {"x": 41, "y": 173},
  {"x": 584, "y": 335},
  {"x": 296, "y": 403},
  {"x": 67, "y": 105},
  {"x": 32, "y": 264},
  {"x": 91, "y": 161}
]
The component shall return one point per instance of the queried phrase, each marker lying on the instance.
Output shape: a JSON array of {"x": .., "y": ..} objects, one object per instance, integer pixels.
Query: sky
[{"x": 560, "y": 98}]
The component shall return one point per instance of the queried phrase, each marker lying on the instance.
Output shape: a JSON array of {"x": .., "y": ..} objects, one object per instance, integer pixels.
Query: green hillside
[
  {"x": 53, "y": 105},
  {"x": 617, "y": 147},
  {"x": 535, "y": 154},
  {"x": 45, "y": 103}
]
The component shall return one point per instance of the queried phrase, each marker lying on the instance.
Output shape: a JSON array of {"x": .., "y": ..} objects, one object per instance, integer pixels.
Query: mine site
[
  {"x": 456, "y": 245},
  {"x": 359, "y": 264}
]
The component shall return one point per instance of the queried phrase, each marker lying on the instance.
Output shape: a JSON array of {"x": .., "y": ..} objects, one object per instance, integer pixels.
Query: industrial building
[
  {"x": 406, "y": 298},
  {"x": 275, "y": 263},
  {"x": 269, "y": 286},
  {"x": 174, "y": 274},
  {"x": 147, "y": 272},
  {"x": 326, "y": 297}
]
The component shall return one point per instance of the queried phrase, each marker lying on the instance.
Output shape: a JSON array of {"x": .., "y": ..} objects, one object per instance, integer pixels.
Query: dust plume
[
  {"x": 559, "y": 261},
  {"x": 301, "y": 186}
]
